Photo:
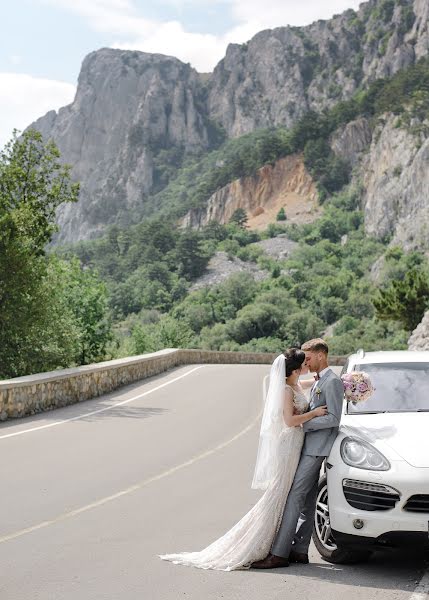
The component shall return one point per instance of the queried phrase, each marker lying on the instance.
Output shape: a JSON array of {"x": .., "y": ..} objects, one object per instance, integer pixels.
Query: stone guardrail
[{"x": 23, "y": 396}]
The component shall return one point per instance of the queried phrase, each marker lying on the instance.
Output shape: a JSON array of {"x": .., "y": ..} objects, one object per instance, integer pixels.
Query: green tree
[
  {"x": 192, "y": 256},
  {"x": 254, "y": 321},
  {"x": 86, "y": 296},
  {"x": 167, "y": 333},
  {"x": 33, "y": 183},
  {"x": 239, "y": 216},
  {"x": 404, "y": 300},
  {"x": 214, "y": 338},
  {"x": 301, "y": 326},
  {"x": 238, "y": 290},
  {"x": 39, "y": 332}
]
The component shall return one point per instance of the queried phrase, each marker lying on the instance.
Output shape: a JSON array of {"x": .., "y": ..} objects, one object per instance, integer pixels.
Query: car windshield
[{"x": 399, "y": 387}]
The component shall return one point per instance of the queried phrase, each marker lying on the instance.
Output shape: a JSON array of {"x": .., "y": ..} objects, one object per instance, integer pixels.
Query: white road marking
[
  {"x": 100, "y": 410},
  {"x": 138, "y": 485},
  {"x": 130, "y": 489},
  {"x": 422, "y": 590}
]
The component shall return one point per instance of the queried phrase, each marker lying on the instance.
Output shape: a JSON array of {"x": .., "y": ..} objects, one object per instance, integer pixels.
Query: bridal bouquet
[{"x": 357, "y": 386}]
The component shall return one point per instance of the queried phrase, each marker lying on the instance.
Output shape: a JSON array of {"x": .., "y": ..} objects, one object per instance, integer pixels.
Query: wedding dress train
[{"x": 251, "y": 538}]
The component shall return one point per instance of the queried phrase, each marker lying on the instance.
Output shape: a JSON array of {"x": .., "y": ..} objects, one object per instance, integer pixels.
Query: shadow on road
[
  {"x": 102, "y": 402},
  {"x": 396, "y": 569},
  {"x": 126, "y": 412}
]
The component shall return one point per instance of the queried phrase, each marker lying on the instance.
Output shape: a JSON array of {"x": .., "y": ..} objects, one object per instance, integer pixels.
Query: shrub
[{"x": 281, "y": 215}]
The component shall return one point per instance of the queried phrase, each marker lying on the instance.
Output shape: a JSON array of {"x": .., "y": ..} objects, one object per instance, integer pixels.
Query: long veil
[{"x": 271, "y": 426}]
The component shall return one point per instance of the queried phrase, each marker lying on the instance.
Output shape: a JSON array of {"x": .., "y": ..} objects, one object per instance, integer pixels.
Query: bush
[
  {"x": 370, "y": 334},
  {"x": 281, "y": 215},
  {"x": 255, "y": 321}
]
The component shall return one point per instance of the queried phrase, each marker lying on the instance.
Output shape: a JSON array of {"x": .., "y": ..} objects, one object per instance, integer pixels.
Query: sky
[{"x": 43, "y": 42}]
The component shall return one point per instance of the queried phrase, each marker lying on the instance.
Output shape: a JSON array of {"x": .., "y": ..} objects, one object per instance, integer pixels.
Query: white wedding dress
[{"x": 251, "y": 538}]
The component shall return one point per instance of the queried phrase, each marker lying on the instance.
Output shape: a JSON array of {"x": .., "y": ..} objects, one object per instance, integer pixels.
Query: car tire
[{"x": 323, "y": 539}]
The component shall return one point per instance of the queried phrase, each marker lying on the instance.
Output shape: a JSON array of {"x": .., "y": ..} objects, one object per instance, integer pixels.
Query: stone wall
[{"x": 23, "y": 396}]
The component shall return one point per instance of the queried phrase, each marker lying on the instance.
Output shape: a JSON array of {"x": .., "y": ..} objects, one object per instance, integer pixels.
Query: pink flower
[{"x": 357, "y": 386}]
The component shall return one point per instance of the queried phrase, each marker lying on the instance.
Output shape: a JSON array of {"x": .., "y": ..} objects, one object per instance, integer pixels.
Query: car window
[
  {"x": 346, "y": 366},
  {"x": 399, "y": 387}
]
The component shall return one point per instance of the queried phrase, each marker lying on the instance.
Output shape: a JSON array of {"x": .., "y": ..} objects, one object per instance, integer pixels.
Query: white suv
[{"x": 377, "y": 474}]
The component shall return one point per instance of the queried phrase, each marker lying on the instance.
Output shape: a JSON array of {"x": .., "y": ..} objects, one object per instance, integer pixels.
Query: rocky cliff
[
  {"x": 285, "y": 185},
  {"x": 391, "y": 161},
  {"x": 419, "y": 339},
  {"x": 129, "y": 107},
  {"x": 282, "y": 73},
  {"x": 395, "y": 175},
  {"x": 136, "y": 116}
]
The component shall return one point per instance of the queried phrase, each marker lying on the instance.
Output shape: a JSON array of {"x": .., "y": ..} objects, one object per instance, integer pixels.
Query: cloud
[
  {"x": 25, "y": 98},
  {"x": 15, "y": 59},
  {"x": 117, "y": 17},
  {"x": 275, "y": 13},
  {"x": 202, "y": 50},
  {"x": 122, "y": 19}
]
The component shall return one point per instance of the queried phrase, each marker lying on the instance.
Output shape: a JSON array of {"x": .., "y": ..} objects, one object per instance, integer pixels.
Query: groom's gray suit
[{"x": 320, "y": 434}]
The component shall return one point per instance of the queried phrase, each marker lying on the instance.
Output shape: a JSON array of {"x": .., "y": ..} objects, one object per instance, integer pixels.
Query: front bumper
[
  {"x": 385, "y": 526},
  {"x": 392, "y": 539}
]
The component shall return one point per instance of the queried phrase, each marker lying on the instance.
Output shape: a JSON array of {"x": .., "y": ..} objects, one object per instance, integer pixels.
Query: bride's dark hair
[{"x": 294, "y": 358}]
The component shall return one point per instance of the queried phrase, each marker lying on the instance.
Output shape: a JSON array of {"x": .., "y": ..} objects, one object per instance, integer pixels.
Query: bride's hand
[{"x": 320, "y": 411}]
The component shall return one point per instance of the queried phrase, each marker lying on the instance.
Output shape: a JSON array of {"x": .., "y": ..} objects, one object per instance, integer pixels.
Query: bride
[{"x": 280, "y": 444}]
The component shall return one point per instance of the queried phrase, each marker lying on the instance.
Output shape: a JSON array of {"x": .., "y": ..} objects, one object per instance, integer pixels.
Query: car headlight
[{"x": 360, "y": 454}]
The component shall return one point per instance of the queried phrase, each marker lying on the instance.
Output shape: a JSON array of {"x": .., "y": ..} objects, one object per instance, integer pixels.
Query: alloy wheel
[{"x": 322, "y": 520}]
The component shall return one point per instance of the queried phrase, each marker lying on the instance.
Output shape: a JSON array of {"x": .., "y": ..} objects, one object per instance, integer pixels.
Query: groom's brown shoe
[
  {"x": 298, "y": 557},
  {"x": 270, "y": 562}
]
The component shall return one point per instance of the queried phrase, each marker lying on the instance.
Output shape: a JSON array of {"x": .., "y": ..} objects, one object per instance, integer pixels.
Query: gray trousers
[{"x": 301, "y": 501}]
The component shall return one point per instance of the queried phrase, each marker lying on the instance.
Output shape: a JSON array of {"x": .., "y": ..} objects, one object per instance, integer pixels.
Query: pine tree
[{"x": 404, "y": 300}]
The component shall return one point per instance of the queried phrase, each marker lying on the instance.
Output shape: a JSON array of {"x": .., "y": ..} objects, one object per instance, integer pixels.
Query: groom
[{"x": 290, "y": 544}]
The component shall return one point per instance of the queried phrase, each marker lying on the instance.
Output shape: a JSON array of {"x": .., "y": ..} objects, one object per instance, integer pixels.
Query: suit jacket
[{"x": 322, "y": 431}]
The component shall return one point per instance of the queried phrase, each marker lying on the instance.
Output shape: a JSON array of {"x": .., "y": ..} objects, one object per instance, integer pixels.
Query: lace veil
[{"x": 271, "y": 427}]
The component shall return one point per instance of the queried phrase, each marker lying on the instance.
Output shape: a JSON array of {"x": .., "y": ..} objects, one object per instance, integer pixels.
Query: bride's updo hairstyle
[{"x": 294, "y": 358}]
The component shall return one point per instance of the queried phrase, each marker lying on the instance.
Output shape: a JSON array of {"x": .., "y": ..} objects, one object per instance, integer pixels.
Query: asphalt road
[{"x": 91, "y": 493}]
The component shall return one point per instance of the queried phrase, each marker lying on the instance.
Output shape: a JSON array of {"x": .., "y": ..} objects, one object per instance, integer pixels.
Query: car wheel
[{"x": 323, "y": 539}]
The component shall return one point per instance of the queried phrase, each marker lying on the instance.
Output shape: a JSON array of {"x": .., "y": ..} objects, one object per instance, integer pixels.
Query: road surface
[{"x": 93, "y": 492}]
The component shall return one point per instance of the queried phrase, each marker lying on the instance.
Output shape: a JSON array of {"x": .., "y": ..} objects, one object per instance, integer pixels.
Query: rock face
[
  {"x": 351, "y": 141},
  {"x": 129, "y": 106},
  {"x": 419, "y": 339},
  {"x": 395, "y": 176},
  {"x": 285, "y": 185},
  {"x": 282, "y": 73},
  {"x": 136, "y": 115}
]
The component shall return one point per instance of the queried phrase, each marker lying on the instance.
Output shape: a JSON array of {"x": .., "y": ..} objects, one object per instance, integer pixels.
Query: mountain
[
  {"x": 283, "y": 73},
  {"x": 129, "y": 108},
  {"x": 139, "y": 120}
]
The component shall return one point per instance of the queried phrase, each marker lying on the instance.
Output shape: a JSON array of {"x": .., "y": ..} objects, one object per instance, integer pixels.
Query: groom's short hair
[{"x": 316, "y": 345}]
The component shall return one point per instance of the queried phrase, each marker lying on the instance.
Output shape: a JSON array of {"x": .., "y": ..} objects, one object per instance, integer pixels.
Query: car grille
[
  {"x": 418, "y": 503},
  {"x": 369, "y": 496}
]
